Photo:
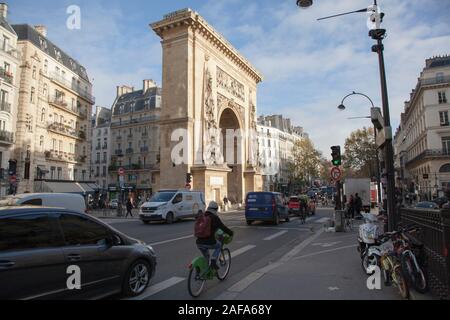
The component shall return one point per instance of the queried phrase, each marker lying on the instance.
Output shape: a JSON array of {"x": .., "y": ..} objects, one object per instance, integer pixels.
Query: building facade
[
  {"x": 100, "y": 147},
  {"x": 422, "y": 141},
  {"x": 9, "y": 61},
  {"x": 55, "y": 103},
  {"x": 276, "y": 139},
  {"x": 135, "y": 138}
]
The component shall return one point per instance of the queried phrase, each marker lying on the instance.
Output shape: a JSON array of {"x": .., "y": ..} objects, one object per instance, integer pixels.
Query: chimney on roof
[
  {"x": 121, "y": 90},
  {"x": 41, "y": 29},
  {"x": 4, "y": 10},
  {"x": 147, "y": 84}
]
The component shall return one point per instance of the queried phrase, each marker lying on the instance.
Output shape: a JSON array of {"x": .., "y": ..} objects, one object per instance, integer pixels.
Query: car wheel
[
  {"x": 276, "y": 219},
  {"x": 287, "y": 219},
  {"x": 136, "y": 278},
  {"x": 249, "y": 222},
  {"x": 169, "y": 218}
]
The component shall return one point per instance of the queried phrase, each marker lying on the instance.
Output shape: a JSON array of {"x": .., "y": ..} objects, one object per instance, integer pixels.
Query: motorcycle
[{"x": 368, "y": 234}]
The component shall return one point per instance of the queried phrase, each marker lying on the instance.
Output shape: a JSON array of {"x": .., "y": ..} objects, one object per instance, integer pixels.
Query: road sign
[
  {"x": 13, "y": 179},
  {"x": 121, "y": 172},
  {"x": 336, "y": 173},
  {"x": 188, "y": 186}
]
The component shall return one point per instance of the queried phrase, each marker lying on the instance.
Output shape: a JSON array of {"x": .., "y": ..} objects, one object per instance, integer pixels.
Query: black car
[{"x": 42, "y": 250}]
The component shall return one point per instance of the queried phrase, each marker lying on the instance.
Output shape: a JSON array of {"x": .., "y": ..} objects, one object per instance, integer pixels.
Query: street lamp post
[
  {"x": 377, "y": 166},
  {"x": 378, "y": 34}
]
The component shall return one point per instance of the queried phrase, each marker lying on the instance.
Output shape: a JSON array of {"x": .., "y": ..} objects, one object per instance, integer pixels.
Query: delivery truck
[{"x": 360, "y": 186}]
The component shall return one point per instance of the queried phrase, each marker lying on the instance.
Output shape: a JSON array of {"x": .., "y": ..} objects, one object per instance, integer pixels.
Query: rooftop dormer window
[
  {"x": 58, "y": 55},
  {"x": 43, "y": 43}
]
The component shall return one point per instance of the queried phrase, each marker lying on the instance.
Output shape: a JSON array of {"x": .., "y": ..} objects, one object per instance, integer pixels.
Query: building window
[
  {"x": 43, "y": 115},
  {"x": 45, "y": 90},
  {"x": 443, "y": 116},
  {"x": 60, "y": 146},
  {"x": 41, "y": 143},
  {"x": 75, "y": 174},
  {"x": 446, "y": 145},
  {"x": 45, "y": 66},
  {"x": 34, "y": 72},
  {"x": 442, "y": 98},
  {"x": 29, "y": 123},
  {"x": 83, "y": 175},
  {"x": 52, "y": 173},
  {"x": 59, "y": 173},
  {"x": 439, "y": 77},
  {"x": 32, "y": 94},
  {"x": 71, "y": 148}
]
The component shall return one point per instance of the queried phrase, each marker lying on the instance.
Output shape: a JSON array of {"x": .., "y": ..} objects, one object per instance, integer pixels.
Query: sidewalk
[
  {"x": 112, "y": 214},
  {"x": 326, "y": 266}
]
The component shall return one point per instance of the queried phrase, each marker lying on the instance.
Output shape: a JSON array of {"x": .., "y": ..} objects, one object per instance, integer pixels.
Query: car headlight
[{"x": 151, "y": 249}]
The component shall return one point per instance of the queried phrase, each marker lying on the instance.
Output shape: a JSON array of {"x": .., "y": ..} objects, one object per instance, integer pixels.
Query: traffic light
[
  {"x": 336, "y": 154},
  {"x": 188, "y": 178}
]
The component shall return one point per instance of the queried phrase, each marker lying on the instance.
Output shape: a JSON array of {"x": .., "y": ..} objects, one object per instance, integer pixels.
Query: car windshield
[{"x": 162, "y": 196}]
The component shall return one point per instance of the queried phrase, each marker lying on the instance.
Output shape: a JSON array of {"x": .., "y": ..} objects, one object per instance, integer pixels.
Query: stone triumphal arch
[{"x": 208, "y": 116}]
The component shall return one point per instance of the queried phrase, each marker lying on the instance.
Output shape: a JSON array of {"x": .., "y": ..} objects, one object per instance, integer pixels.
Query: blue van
[{"x": 265, "y": 206}]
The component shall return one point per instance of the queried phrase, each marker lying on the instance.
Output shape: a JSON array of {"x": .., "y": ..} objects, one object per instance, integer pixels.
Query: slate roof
[
  {"x": 442, "y": 62},
  {"x": 27, "y": 32},
  {"x": 139, "y": 99},
  {"x": 6, "y": 25}
]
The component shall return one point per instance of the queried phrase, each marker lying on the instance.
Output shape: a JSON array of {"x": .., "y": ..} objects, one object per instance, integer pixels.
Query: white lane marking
[
  {"x": 244, "y": 283},
  {"x": 276, "y": 235},
  {"x": 171, "y": 240},
  {"x": 158, "y": 288},
  {"x": 242, "y": 250},
  {"x": 296, "y": 250},
  {"x": 323, "y": 220},
  {"x": 324, "y": 251}
]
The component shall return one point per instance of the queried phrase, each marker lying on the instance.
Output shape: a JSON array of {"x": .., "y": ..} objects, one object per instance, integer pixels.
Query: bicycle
[
  {"x": 200, "y": 270},
  {"x": 348, "y": 223}
]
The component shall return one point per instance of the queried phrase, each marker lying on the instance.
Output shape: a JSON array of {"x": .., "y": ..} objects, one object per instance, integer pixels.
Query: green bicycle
[{"x": 200, "y": 271}]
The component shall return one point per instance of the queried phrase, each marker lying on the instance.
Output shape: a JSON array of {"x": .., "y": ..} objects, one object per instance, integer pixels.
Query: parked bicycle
[{"x": 200, "y": 270}]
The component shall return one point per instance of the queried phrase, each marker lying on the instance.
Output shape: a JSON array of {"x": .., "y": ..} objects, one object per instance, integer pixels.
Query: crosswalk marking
[
  {"x": 242, "y": 250},
  {"x": 159, "y": 287},
  {"x": 171, "y": 240},
  {"x": 276, "y": 235}
]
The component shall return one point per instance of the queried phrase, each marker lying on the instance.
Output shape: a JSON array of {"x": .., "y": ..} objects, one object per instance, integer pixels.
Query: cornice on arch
[{"x": 194, "y": 20}]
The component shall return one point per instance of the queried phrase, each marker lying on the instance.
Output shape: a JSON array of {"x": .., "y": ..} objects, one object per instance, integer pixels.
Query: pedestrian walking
[
  {"x": 351, "y": 207},
  {"x": 225, "y": 203},
  {"x": 129, "y": 207},
  {"x": 358, "y": 205}
]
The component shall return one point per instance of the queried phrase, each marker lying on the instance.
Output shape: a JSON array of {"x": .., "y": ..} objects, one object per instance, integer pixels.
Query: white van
[
  {"x": 69, "y": 201},
  {"x": 172, "y": 205}
]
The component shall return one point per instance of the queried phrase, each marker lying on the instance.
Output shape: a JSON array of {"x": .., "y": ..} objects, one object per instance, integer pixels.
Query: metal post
[
  {"x": 377, "y": 168},
  {"x": 389, "y": 151}
]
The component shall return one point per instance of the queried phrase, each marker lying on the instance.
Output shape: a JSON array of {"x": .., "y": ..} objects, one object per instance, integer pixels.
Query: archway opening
[{"x": 231, "y": 146}]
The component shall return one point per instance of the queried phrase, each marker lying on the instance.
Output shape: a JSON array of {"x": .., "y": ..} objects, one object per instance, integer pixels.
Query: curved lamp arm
[{"x": 360, "y": 94}]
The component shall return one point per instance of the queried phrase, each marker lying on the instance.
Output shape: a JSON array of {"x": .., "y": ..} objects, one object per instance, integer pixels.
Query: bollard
[{"x": 339, "y": 220}]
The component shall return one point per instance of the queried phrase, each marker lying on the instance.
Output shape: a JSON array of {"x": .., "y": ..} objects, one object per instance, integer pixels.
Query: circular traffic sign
[
  {"x": 336, "y": 173},
  {"x": 13, "y": 179},
  {"x": 121, "y": 172},
  {"x": 188, "y": 186}
]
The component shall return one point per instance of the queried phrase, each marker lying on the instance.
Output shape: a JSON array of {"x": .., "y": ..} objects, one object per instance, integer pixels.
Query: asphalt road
[{"x": 253, "y": 247}]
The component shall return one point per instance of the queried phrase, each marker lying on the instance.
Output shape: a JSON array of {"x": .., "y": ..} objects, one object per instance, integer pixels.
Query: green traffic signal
[{"x": 336, "y": 154}]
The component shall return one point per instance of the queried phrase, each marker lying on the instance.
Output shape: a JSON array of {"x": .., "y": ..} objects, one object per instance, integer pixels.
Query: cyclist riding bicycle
[{"x": 206, "y": 228}]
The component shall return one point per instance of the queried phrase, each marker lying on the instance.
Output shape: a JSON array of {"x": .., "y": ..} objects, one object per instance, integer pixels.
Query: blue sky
[{"x": 308, "y": 66}]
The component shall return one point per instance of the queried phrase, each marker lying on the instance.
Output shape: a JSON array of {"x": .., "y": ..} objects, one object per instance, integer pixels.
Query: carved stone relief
[{"x": 230, "y": 85}]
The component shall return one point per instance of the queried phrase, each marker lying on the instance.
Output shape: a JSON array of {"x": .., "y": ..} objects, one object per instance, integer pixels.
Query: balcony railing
[
  {"x": 429, "y": 82},
  {"x": 6, "y": 137},
  {"x": 144, "y": 149},
  {"x": 98, "y": 147},
  {"x": 67, "y": 130},
  {"x": 105, "y": 146},
  {"x": 430, "y": 153},
  {"x": 132, "y": 121},
  {"x": 11, "y": 51},
  {"x": 132, "y": 167},
  {"x": 5, "y": 106},
  {"x": 118, "y": 152},
  {"x": 97, "y": 161},
  {"x": 73, "y": 86},
  {"x": 6, "y": 75},
  {"x": 104, "y": 161},
  {"x": 63, "y": 156},
  {"x": 129, "y": 150},
  {"x": 62, "y": 103}
]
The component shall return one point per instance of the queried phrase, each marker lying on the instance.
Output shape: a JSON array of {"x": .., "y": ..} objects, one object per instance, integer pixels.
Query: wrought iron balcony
[
  {"x": 431, "y": 154},
  {"x": 129, "y": 150},
  {"x": 11, "y": 51},
  {"x": 118, "y": 152},
  {"x": 73, "y": 86},
  {"x": 6, "y": 75},
  {"x": 144, "y": 149},
  {"x": 60, "y": 102},
  {"x": 66, "y": 130}
]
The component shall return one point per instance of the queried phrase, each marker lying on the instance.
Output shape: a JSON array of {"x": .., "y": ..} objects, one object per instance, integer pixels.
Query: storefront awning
[{"x": 71, "y": 187}]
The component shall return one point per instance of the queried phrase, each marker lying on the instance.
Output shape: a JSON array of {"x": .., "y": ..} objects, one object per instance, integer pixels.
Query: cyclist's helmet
[{"x": 213, "y": 207}]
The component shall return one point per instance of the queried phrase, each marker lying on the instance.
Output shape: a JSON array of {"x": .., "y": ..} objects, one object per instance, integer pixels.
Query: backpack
[{"x": 203, "y": 226}]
